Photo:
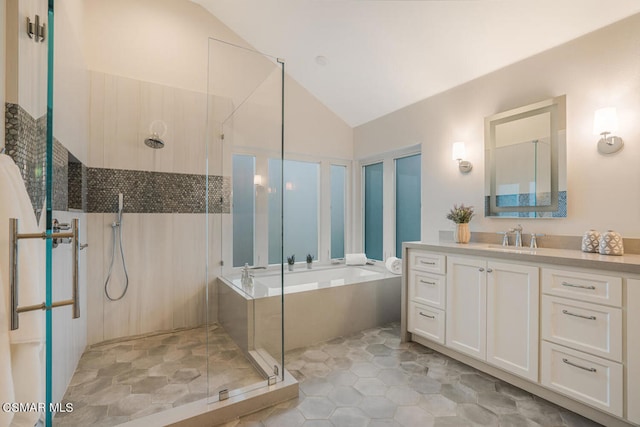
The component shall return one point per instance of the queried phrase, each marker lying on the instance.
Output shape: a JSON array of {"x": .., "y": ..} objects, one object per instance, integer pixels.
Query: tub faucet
[
  {"x": 518, "y": 231},
  {"x": 247, "y": 278}
]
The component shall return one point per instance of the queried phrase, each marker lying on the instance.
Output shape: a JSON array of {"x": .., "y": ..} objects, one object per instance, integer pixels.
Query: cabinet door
[
  {"x": 633, "y": 350},
  {"x": 466, "y": 306},
  {"x": 512, "y": 318}
]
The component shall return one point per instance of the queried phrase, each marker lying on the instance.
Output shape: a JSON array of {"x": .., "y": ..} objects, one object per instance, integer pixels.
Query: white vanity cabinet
[
  {"x": 632, "y": 390},
  {"x": 512, "y": 318},
  {"x": 492, "y": 313},
  {"x": 426, "y": 295},
  {"x": 583, "y": 337},
  {"x": 466, "y": 305},
  {"x": 560, "y": 324}
]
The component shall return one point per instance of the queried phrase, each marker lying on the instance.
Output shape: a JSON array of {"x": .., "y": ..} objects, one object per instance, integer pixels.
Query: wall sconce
[
  {"x": 459, "y": 154},
  {"x": 605, "y": 123},
  {"x": 257, "y": 180}
]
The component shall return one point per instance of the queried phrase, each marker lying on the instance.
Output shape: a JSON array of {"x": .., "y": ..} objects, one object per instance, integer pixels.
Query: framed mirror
[{"x": 525, "y": 161}]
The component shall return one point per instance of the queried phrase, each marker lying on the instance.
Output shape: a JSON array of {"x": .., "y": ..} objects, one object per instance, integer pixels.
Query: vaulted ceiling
[{"x": 366, "y": 58}]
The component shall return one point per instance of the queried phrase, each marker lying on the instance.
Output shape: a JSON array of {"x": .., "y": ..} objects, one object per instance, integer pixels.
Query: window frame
[
  {"x": 389, "y": 196},
  {"x": 261, "y": 226}
]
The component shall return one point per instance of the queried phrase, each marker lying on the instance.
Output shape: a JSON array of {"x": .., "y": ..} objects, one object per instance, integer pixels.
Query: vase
[
  {"x": 590, "y": 241},
  {"x": 611, "y": 243},
  {"x": 290, "y": 267},
  {"x": 461, "y": 233}
]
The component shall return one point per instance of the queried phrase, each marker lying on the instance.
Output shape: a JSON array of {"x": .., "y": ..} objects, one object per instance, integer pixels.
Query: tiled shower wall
[
  {"x": 26, "y": 144},
  {"x": 164, "y": 225}
]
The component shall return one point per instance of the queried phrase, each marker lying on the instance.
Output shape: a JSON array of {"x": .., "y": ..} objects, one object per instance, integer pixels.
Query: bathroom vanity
[{"x": 561, "y": 324}]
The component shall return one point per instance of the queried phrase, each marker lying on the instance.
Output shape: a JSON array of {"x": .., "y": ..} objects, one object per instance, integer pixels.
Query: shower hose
[{"x": 117, "y": 234}]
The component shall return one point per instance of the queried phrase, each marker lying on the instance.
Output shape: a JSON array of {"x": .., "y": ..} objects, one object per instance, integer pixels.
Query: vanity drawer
[
  {"x": 592, "y": 328},
  {"x": 427, "y": 288},
  {"x": 583, "y": 286},
  {"x": 427, "y": 261},
  {"x": 426, "y": 321},
  {"x": 589, "y": 379}
]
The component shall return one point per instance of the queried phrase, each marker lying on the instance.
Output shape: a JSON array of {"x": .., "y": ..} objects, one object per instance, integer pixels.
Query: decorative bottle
[
  {"x": 611, "y": 243},
  {"x": 590, "y": 241}
]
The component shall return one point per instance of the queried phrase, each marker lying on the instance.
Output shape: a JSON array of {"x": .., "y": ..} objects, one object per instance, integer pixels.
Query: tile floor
[
  {"x": 116, "y": 382},
  {"x": 371, "y": 379}
]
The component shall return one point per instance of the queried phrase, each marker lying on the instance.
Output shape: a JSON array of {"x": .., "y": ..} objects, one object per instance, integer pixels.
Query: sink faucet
[{"x": 518, "y": 231}]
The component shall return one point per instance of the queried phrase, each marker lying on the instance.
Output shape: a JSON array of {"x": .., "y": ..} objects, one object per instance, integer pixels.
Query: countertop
[{"x": 559, "y": 257}]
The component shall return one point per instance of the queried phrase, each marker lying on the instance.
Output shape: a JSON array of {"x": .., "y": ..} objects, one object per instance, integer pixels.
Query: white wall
[
  {"x": 71, "y": 88},
  {"x": 27, "y": 75},
  {"x": 596, "y": 70}
]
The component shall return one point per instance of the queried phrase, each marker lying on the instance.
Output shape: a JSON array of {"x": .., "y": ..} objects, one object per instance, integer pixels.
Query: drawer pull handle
[
  {"x": 568, "y": 313},
  {"x": 481, "y": 269},
  {"x": 426, "y": 282},
  {"x": 489, "y": 270},
  {"x": 573, "y": 285},
  {"x": 427, "y": 315},
  {"x": 428, "y": 262},
  {"x": 568, "y": 362}
]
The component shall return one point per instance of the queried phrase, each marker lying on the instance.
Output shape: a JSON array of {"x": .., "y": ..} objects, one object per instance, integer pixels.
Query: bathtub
[
  {"x": 267, "y": 284},
  {"x": 319, "y": 304}
]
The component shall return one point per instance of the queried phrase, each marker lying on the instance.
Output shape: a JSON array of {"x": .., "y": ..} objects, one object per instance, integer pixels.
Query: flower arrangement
[
  {"x": 291, "y": 259},
  {"x": 309, "y": 258},
  {"x": 461, "y": 214}
]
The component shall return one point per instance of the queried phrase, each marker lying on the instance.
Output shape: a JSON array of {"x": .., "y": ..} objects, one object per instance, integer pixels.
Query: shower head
[{"x": 154, "y": 141}]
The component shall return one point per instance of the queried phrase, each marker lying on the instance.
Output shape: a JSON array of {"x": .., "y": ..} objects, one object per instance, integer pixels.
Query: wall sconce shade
[
  {"x": 257, "y": 180},
  {"x": 605, "y": 123},
  {"x": 458, "y": 153}
]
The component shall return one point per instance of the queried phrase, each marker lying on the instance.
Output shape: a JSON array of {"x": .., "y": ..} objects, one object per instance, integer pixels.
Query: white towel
[
  {"x": 26, "y": 342},
  {"x": 6, "y": 384},
  {"x": 394, "y": 265},
  {"x": 15, "y": 203},
  {"x": 355, "y": 259}
]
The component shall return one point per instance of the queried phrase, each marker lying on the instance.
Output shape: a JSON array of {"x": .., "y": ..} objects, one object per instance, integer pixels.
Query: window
[
  {"x": 301, "y": 203},
  {"x": 407, "y": 200},
  {"x": 373, "y": 213},
  {"x": 243, "y": 209},
  {"x": 338, "y": 185}
]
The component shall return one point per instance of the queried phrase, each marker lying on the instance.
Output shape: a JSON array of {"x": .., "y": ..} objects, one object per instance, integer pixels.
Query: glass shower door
[
  {"x": 245, "y": 132},
  {"x": 33, "y": 303}
]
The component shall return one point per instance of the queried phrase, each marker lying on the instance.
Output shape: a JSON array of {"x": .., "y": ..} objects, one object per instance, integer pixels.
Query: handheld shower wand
[{"x": 117, "y": 238}]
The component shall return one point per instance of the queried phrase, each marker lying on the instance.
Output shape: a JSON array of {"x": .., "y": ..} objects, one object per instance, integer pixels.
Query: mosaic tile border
[
  {"x": 96, "y": 189},
  {"x": 25, "y": 141},
  {"x": 156, "y": 192}
]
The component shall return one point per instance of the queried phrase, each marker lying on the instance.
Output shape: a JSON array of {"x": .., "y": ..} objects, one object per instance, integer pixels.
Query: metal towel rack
[{"x": 14, "y": 237}]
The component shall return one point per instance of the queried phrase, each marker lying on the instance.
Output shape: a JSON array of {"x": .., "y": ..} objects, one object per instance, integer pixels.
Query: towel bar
[{"x": 14, "y": 237}]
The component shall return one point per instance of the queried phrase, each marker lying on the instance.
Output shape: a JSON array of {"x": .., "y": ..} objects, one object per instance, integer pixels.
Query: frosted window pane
[
  {"x": 373, "y": 182},
  {"x": 407, "y": 200},
  {"x": 301, "y": 198},
  {"x": 244, "y": 168},
  {"x": 338, "y": 181}
]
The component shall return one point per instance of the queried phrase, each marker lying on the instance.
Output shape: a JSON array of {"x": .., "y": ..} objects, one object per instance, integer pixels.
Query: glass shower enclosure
[
  {"x": 236, "y": 345},
  {"x": 246, "y": 107}
]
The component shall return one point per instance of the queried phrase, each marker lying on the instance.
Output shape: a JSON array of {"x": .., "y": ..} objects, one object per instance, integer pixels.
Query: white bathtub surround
[{"x": 321, "y": 304}]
